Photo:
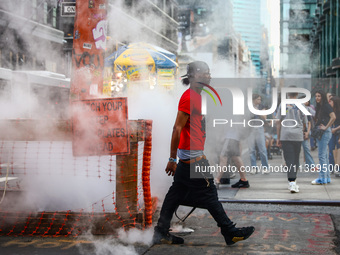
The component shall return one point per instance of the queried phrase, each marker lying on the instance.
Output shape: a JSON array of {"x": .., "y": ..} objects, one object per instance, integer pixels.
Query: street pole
[{"x": 89, "y": 44}]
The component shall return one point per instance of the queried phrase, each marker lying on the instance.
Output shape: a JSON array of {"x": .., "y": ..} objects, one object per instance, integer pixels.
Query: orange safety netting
[{"x": 50, "y": 192}]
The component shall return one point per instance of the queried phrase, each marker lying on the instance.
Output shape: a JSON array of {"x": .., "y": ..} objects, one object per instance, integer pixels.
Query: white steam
[
  {"x": 160, "y": 106},
  {"x": 125, "y": 27},
  {"x": 124, "y": 244},
  {"x": 53, "y": 180}
]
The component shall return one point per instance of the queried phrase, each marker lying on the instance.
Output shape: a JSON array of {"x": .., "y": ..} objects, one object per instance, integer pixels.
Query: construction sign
[{"x": 100, "y": 127}]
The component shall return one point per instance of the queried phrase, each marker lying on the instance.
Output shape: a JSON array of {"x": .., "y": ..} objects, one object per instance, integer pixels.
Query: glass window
[
  {"x": 52, "y": 102},
  {"x": 54, "y": 17},
  {"x": 285, "y": 11},
  {"x": 285, "y": 36},
  {"x": 45, "y": 13},
  {"x": 34, "y": 9},
  {"x": 5, "y": 89}
]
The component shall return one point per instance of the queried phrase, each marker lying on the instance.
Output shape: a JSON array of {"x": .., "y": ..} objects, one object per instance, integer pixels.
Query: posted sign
[
  {"x": 68, "y": 9},
  {"x": 100, "y": 127}
]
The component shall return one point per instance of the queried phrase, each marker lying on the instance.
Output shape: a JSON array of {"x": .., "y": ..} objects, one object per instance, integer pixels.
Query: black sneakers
[
  {"x": 164, "y": 237},
  {"x": 238, "y": 234},
  {"x": 241, "y": 184},
  {"x": 230, "y": 236}
]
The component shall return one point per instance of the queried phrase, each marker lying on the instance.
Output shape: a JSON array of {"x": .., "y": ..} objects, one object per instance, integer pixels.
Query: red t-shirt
[{"x": 193, "y": 133}]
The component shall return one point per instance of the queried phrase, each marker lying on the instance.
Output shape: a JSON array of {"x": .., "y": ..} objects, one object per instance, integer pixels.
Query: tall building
[
  {"x": 296, "y": 23},
  {"x": 247, "y": 22},
  {"x": 201, "y": 23},
  {"x": 265, "y": 63},
  {"x": 325, "y": 53},
  {"x": 206, "y": 32}
]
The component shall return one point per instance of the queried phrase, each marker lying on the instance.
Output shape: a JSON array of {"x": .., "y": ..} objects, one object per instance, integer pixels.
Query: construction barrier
[{"x": 36, "y": 166}]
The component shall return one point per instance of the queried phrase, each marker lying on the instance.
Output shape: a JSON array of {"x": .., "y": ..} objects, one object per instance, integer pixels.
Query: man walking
[
  {"x": 257, "y": 139},
  {"x": 290, "y": 137},
  {"x": 187, "y": 142}
]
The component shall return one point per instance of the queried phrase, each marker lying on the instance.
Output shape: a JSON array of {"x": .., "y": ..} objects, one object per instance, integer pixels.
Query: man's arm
[
  {"x": 180, "y": 122},
  {"x": 278, "y": 126},
  {"x": 278, "y": 133},
  {"x": 332, "y": 118},
  {"x": 306, "y": 134}
]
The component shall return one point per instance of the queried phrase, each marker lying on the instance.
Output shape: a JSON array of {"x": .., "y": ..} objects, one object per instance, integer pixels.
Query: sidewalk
[
  {"x": 274, "y": 186},
  {"x": 280, "y": 229},
  {"x": 275, "y": 233}
]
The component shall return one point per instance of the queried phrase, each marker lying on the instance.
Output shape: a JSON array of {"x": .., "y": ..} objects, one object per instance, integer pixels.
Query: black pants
[
  {"x": 291, "y": 153},
  {"x": 193, "y": 192}
]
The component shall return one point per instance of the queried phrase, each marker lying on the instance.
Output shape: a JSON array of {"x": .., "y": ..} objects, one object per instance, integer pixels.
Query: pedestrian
[
  {"x": 309, "y": 161},
  {"x": 290, "y": 137},
  {"x": 329, "y": 95},
  {"x": 187, "y": 142},
  {"x": 311, "y": 109},
  {"x": 269, "y": 140},
  {"x": 269, "y": 132},
  {"x": 324, "y": 118},
  {"x": 334, "y": 102},
  {"x": 232, "y": 151},
  {"x": 257, "y": 139}
]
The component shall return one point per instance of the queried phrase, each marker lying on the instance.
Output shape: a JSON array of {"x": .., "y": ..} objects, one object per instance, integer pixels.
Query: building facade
[
  {"x": 324, "y": 55},
  {"x": 152, "y": 21},
  {"x": 296, "y": 23},
  {"x": 30, "y": 36}
]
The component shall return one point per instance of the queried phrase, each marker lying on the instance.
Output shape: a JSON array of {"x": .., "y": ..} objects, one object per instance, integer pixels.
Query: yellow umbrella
[
  {"x": 134, "y": 57},
  {"x": 138, "y": 60},
  {"x": 141, "y": 54}
]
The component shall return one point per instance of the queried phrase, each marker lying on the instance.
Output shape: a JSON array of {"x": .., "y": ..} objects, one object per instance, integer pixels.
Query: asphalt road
[{"x": 280, "y": 229}]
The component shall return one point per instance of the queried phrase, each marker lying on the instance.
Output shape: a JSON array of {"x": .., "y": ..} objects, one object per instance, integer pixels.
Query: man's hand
[
  {"x": 171, "y": 168},
  {"x": 278, "y": 143},
  {"x": 180, "y": 122},
  {"x": 305, "y": 135}
]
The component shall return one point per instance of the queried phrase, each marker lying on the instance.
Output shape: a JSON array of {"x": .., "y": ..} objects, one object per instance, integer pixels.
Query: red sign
[{"x": 100, "y": 127}]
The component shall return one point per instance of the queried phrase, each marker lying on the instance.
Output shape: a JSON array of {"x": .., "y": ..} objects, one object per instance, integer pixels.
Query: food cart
[{"x": 139, "y": 64}]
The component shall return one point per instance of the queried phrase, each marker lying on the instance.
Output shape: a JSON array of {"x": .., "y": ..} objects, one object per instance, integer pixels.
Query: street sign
[
  {"x": 100, "y": 127},
  {"x": 68, "y": 9}
]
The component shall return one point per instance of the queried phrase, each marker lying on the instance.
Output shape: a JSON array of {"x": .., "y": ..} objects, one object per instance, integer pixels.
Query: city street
[
  {"x": 280, "y": 229},
  {"x": 296, "y": 228},
  {"x": 92, "y": 100}
]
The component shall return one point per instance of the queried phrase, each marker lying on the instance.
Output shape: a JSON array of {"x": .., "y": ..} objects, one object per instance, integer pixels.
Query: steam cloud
[{"x": 49, "y": 186}]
